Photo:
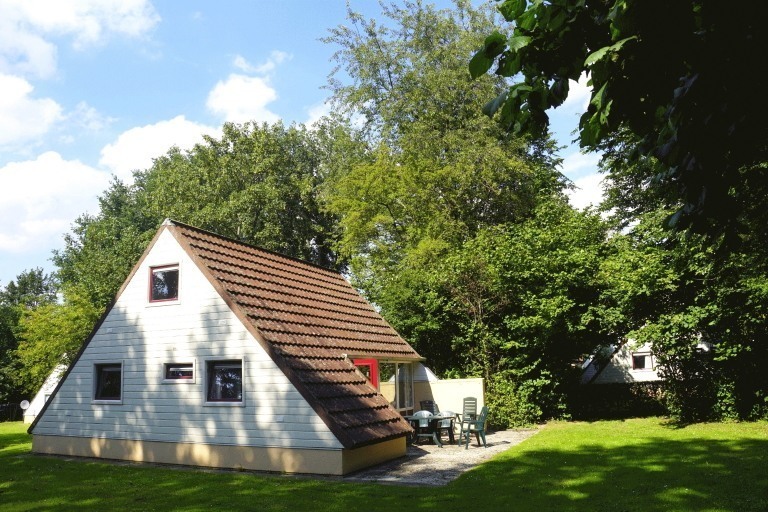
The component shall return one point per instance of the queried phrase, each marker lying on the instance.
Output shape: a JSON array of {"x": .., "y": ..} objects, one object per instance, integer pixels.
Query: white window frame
[
  {"x": 179, "y": 362},
  {"x": 649, "y": 358},
  {"x": 97, "y": 365},
  {"x": 206, "y": 382}
]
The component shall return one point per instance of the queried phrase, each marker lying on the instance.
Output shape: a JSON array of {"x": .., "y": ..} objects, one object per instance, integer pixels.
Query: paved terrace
[{"x": 426, "y": 464}]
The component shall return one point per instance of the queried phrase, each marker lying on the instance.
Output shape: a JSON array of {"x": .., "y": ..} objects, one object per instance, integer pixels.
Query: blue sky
[{"x": 95, "y": 88}]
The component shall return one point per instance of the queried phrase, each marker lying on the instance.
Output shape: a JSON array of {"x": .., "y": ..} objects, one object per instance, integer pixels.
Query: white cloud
[
  {"x": 275, "y": 58},
  {"x": 581, "y": 168},
  {"x": 26, "y": 27},
  {"x": 576, "y": 164},
  {"x": 39, "y": 199},
  {"x": 579, "y": 94},
  {"x": 242, "y": 98},
  {"x": 23, "y": 117},
  {"x": 588, "y": 191},
  {"x": 137, "y": 147},
  {"x": 85, "y": 116},
  {"x": 316, "y": 112}
]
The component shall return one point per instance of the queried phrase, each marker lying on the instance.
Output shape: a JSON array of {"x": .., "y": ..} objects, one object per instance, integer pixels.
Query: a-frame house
[{"x": 217, "y": 353}]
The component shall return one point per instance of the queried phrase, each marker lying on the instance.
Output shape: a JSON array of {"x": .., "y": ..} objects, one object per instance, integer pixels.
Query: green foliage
[
  {"x": 258, "y": 184},
  {"x": 52, "y": 334},
  {"x": 459, "y": 233},
  {"x": 31, "y": 289},
  {"x": 521, "y": 295},
  {"x": 678, "y": 76},
  {"x": 517, "y": 403},
  {"x": 700, "y": 307}
]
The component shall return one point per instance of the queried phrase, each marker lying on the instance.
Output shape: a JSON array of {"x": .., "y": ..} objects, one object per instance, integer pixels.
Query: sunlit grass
[{"x": 632, "y": 465}]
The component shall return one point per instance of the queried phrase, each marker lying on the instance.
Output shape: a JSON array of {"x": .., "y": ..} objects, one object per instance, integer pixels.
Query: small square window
[
  {"x": 225, "y": 381},
  {"x": 164, "y": 283},
  {"x": 179, "y": 371},
  {"x": 642, "y": 362},
  {"x": 109, "y": 381}
]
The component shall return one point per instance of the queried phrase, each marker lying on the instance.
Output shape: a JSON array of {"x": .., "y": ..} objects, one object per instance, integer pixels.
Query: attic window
[
  {"x": 164, "y": 283},
  {"x": 642, "y": 361}
]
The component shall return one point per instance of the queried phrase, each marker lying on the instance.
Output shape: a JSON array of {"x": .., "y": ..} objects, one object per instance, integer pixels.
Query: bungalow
[{"x": 217, "y": 353}]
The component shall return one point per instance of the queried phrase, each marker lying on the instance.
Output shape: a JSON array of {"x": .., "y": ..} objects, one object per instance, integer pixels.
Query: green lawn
[{"x": 633, "y": 465}]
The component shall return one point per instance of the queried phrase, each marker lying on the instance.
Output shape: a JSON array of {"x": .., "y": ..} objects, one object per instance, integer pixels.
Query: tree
[
  {"x": 52, "y": 334},
  {"x": 677, "y": 76},
  {"x": 257, "y": 183},
  {"x": 704, "y": 314},
  {"x": 524, "y": 295},
  {"x": 437, "y": 171},
  {"x": 459, "y": 232},
  {"x": 30, "y": 290}
]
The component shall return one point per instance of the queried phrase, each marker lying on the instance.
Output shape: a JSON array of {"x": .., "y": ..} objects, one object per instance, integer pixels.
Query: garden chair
[
  {"x": 469, "y": 411},
  {"x": 447, "y": 425},
  {"x": 476, "y": 426},
  {"x": 429, "y": 405}
]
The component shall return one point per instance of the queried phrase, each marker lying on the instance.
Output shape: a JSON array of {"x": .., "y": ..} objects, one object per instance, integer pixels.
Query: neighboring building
[
  {"x": 216, "y": 353},
  {"x": 624, "y": 363},
  {"x": 37, "y": 403}
]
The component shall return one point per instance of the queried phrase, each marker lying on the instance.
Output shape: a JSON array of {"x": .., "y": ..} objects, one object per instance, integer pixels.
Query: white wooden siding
[
  {"x": 198, "y": 327},
  {"x": 619, "y": 369}
]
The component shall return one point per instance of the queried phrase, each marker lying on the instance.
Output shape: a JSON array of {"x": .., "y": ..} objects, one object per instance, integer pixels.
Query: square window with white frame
[
  {"x": 108, "y": 379},
  {"x": 224, "y": 381},
  {"x": 642, "y": 361},
  {"x": 164, "y": 283}
]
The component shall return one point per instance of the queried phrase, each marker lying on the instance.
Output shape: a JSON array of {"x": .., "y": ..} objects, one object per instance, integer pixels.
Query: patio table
[{"x": 432, "y": 428}]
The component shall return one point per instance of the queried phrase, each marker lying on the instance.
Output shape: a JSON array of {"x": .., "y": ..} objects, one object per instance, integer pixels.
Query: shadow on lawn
[{"x": 655, "y": 475}]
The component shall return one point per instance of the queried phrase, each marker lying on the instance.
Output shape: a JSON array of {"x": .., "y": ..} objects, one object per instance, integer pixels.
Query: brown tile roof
[{"x": 308, "y": 319}]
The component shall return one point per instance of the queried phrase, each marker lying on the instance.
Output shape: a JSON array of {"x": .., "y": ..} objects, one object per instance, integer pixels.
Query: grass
[{"x": 632, "y": 465}]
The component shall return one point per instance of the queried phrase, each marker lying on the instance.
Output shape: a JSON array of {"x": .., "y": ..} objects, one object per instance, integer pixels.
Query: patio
[{"x": 427, "y": 464}]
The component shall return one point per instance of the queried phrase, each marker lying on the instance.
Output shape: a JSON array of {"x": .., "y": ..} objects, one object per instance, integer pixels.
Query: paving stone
[{"x": 429, "y": 465}]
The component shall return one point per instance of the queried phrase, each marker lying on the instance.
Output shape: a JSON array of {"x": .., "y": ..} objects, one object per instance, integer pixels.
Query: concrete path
[{"x": 430, "y": 465}]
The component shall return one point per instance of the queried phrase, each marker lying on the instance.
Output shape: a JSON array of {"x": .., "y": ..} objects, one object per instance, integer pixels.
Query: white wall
[
  {"x": 200, "y": 325},
  {"x": 619, "y": 369},
  {"x": 37, "y": 403}
]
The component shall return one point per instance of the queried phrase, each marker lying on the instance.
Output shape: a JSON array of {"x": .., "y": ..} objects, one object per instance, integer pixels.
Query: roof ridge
[{"x": 240, "y": 242}]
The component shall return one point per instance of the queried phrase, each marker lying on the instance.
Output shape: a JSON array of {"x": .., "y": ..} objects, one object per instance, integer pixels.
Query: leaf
[
  {"x": 492, "y": 106},
  {"x": 598, "y": 97},
  {"x": 511, "y": 9},
  {"x": 480, "y": 64},
  {"x": 595, "y": 56},
  {"x": 517, "y": 43},
  {"x": 508, "y": 65},
  {"x": 483, "y": 60},
  {"x": 558, "y": 92}
]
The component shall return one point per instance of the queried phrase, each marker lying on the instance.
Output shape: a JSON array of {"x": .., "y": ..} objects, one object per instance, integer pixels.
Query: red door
[{"x": 369, "y": 368}]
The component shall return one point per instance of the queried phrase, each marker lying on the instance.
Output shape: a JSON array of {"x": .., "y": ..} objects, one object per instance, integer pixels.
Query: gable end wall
[{"x": 144, "y": 337}]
